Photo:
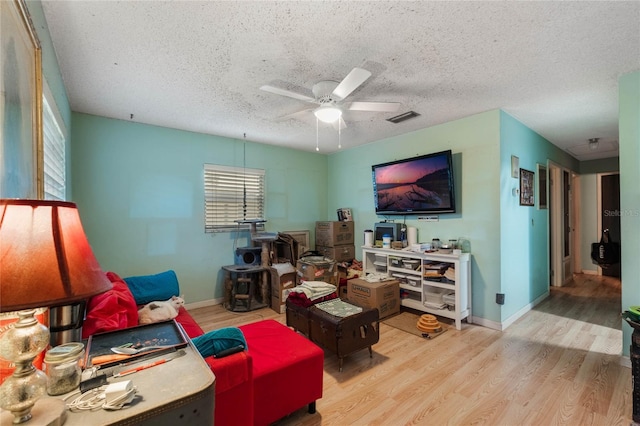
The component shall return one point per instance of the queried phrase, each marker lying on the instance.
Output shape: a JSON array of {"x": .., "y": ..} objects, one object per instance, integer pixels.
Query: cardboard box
[
  {"x": 343, "y": 253},
  {"x": 283, "y": 280},
  {"x": 317, "y": 268},
  {"x": 334, "y": 233},
  {"x": 382, "y": 295}
]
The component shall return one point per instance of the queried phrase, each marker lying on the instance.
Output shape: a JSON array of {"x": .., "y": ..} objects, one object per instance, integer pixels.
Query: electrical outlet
[{"x": 500, "y": 298}]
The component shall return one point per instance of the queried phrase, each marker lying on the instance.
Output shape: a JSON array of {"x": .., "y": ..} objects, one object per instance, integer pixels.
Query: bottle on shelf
[{"x": 464, "y": 245}]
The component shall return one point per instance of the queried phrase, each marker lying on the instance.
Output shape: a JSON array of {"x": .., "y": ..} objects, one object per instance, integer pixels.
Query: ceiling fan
[{"x": 330, "y": 96}]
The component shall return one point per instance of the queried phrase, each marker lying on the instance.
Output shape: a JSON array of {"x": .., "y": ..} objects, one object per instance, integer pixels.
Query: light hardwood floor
[{"x": 557, "y": 365}]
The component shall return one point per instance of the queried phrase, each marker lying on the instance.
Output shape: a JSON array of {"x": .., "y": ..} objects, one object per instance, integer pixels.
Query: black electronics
[
  {"x": 386, "y": 228},
  {"x": 248, "y": 256},
  {"x": 417, "y": 185}
]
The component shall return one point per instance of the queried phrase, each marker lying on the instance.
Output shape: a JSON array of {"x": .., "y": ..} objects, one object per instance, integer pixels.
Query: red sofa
[{"x": 280, "y": 372}]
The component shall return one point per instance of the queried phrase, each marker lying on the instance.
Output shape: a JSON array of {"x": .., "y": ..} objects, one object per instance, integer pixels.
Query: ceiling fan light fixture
[
  {"x": 328, "y": 113},
  {"x": 593, "y": 144}
]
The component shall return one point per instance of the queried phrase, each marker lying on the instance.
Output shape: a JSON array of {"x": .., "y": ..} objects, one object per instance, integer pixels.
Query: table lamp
[{"x": 45, "y": 260}]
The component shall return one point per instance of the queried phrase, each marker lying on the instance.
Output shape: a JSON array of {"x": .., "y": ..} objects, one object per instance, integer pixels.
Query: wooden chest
[
  {"x": 298, "y": 317},
  {"x": 344, "y": 335}
]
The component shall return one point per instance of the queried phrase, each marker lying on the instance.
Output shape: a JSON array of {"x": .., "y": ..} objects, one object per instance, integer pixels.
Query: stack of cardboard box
[
  {"x": 385, "y": 295},
  {"x": 317, "y": 268},
  {"x": 335, "y": 240},
  {"x": 283, "y": 280}
]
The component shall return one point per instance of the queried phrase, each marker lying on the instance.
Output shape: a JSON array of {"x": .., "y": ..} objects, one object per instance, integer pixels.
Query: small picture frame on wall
[
  {"x": 515, "y": 167},
  {"x": 527, "y": 187}
]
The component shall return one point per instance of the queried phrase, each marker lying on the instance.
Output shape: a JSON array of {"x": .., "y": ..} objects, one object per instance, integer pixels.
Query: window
[
  {"x": 54, "y": 141},
  {"x": 231, "y": 194}
]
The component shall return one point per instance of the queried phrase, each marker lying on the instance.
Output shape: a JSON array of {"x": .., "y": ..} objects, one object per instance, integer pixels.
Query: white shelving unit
[{"x": 422, "y": 279}]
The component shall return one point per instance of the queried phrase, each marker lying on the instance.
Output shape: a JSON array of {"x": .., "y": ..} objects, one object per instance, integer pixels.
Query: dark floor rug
[{"x": 406, "y": 321}]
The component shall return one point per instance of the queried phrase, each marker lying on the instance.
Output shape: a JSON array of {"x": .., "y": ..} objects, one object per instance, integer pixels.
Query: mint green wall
[
  {"x": 629, "y": 132},
  {"x": 139, "y": 190},
  {"x": 524, "y": 230},
  {"x": 604, "y": 165},
  {"x": 475, "y": 144}
]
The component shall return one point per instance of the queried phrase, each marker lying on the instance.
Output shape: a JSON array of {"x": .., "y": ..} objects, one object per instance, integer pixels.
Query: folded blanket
[
  {"x": 315, "y": 289},
  {"x": 301, "y": 299},
  {"x": 213, "y": 342}
]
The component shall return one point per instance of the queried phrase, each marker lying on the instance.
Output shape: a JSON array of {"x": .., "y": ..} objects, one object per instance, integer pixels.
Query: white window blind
[
  {"x": 54, "y": 154},
  {"x": 232, "y": 194}
]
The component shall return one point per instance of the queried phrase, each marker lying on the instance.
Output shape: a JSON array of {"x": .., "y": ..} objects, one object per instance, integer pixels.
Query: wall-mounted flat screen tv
[{"x": 417, "y": 185}]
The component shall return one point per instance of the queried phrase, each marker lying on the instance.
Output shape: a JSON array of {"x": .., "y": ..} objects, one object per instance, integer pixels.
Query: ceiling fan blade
[
  {"x": 295, "y": 115},
  {"x": 340, "y": 122},
  {"x": 288, "y": 93},
  {"x": 374, "y": 106},
  {"x": 355, "y": 78}
]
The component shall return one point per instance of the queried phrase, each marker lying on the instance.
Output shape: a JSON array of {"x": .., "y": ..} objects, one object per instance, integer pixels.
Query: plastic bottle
[{"x": 386, "y": 241}]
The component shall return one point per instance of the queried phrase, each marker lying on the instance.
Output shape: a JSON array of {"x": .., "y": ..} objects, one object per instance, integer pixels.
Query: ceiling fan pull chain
[
  {"x": 317, "y": 147},
  {"x": 339, "y": 135}
]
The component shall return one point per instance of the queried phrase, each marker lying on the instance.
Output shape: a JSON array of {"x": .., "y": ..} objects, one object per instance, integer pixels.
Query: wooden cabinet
[{"x": 436, "y": 283}]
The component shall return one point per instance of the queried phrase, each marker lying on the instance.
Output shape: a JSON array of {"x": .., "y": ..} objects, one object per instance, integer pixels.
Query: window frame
[
  {"x": 54, "y": 152},
  {"x": 240, "y": 188}
]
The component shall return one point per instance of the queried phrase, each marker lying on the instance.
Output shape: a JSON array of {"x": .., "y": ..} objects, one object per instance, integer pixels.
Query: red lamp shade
[{"x": 45, "y": 258}]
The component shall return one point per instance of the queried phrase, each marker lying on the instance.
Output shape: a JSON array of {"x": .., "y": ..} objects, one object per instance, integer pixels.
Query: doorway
[
  {"x": 609, "y": 215},
  {"x": 560, "y": 225}
]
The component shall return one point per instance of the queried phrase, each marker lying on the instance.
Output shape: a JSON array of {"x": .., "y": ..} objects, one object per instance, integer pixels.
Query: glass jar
[
  {"x": 464, "y": 244},
  {"x": 63, "y": 367},
  {"x": 386, "y": 241},
  {"x": 435, "y": 244},
  {"x": 453, "y": 244}
]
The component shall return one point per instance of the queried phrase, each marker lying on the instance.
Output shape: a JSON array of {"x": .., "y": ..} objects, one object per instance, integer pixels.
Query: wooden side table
[
  {"x": 242, "y": 284},
  {"x": 180, "y": 391}
]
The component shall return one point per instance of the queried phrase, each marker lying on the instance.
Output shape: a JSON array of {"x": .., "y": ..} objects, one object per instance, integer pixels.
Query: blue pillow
[
  {"x": 213, "y": 342},
  {"x": 151, "y": 288}
]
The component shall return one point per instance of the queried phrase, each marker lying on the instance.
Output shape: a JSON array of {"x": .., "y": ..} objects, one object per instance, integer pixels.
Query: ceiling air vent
[{"x": 402, "y": 117}]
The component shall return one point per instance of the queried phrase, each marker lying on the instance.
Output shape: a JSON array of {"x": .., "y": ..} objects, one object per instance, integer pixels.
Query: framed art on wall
[
  {"x": 527, "y": 197},
  {"x": 21, "y": 158},
  {"x": 515, "y": 167}
]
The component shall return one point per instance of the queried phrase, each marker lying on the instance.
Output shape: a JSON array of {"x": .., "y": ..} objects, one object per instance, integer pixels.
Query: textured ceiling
[{"x": 198, "y": 66}]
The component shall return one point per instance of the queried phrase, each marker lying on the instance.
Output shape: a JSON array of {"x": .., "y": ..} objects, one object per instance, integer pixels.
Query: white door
[{"x": 560, "y": 233}]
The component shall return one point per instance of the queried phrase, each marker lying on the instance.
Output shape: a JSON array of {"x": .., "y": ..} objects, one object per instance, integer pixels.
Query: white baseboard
[
  {"x": 204, "y": 303},
  {"x": 589, "y": 272},
  {"x": 500, "y": 326},
  {"x": 513, "y": 318},
  {"x": 487, "y": 323}
]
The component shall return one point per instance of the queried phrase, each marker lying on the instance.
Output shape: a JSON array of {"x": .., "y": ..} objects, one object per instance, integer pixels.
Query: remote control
[{"x": 229, "y": 351}]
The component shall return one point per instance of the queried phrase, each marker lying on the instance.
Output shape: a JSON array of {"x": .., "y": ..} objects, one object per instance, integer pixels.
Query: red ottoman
[{"x": 287, "y": 370}]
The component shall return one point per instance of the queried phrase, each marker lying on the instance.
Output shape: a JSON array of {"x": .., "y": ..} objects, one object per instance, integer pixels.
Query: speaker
[{"x": 248, "y": 256}]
